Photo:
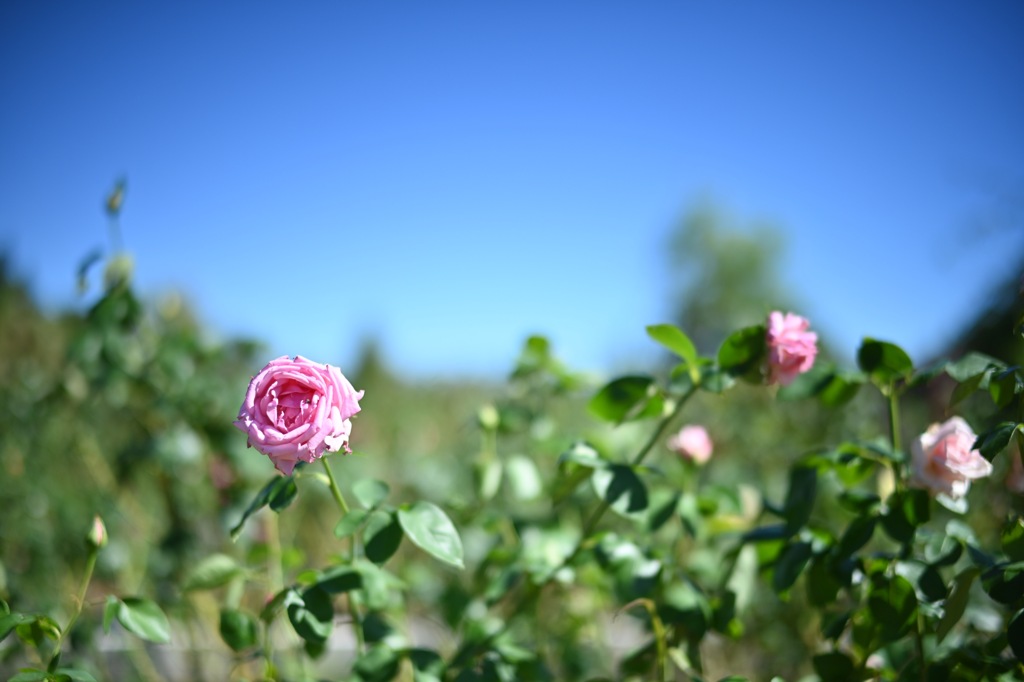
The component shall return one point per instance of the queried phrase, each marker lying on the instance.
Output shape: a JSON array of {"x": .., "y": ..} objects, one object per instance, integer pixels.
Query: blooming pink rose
[
  {"x": 692, "y": 443},
  {"x": 295, "y": 410},
  {"x": 791, "y": 348},
  {"x": 942, "y": 460}
]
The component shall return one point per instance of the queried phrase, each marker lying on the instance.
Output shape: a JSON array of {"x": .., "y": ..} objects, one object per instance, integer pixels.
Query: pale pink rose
[
  {"x": 692, "y": 443},
  {"x": 295, "y": 410},
  {"x": 791, "y": 348},
  {"x": 942, "y": 459}
]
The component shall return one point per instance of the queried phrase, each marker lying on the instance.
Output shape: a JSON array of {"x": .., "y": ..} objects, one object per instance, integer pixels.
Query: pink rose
[
  {"x": 295, "y": 410},
  {"x": 942, "y": 460},
  {"x": 791, "y": 348},
  {"x": 692, "y": 443}
]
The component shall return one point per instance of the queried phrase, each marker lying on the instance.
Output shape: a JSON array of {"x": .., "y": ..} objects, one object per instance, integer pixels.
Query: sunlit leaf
[
  {"x": 370, "y": 492},
  {"x": 311, "y": 613},
  {"x": 620, "y": 487},
  {"x": 144, "y": 619},
  {"x": 212, "y": 572},
  {"x": 742, "y": 353},
  {"x": 884, "y": 362},
  {"x": 431, "y": 530}
]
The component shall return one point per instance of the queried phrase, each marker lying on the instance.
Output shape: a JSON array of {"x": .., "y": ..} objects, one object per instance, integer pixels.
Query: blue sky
[{"x": 453, "y": 176}]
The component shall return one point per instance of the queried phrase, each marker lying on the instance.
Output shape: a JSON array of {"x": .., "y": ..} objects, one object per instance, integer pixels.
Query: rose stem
[{"x": 353, "y": 602}]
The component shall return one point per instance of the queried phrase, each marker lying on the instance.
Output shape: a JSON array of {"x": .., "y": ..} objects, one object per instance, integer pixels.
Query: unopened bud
[
  {"x": 97, "y": 537},
  {"x": 488, "y": 418}
]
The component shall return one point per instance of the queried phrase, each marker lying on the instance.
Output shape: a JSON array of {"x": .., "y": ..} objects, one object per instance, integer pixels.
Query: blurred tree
[{"x": 724, "y": 276}]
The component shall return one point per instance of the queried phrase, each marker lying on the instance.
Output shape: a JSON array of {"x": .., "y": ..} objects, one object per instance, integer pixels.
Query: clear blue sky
[{"x": 452, "y": 176}]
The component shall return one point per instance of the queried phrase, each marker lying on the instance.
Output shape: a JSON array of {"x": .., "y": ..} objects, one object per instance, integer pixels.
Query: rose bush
[
  {"x": 295, "y": 410},
  {"x": 791, "y": 347},
  {"x": 692, "y": 443},
  {"x": 943, "y": 459}
]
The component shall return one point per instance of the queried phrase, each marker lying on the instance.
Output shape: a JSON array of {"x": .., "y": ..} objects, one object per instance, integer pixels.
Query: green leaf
[
  {"x": 277, "y": 489},
  {"x": 673, "y": 338},
  {"x": 803, "y": 486},
  {"x": 370, "y": 492},
  {"x": 488, "y": 476},
  {"x": 893, "y": 606},
  {"x": 965, "y": 388},
  {"x": 884, "y": 362},
  {"x": 431, "y": 530},
  {"x": 282, "y": 494},
  {"x": 627, "y": 398},
  {"x": 378, "y": 664},
  {"x": 29, "y": 675},
  {"x": 857, "y": 534},
  {"x": 686, "y": 605},
  {"x": 584, "y": 455},
  {"x": 340, "y": 579},
  {"x": 835, "y": 666},
  {"x": 990, "y": 443},
  {"x": 110, "y": 609},
  {"x": 311, "y": 613},
  {"x": 273, "y": 607},
  {"x": 971, "y": 365},
  {"x": 932, "y": 585},
  {"x": 790, "y": 565},
  {"x": 144, "y": 619},
  {"x": 859, "y": 501},
  {"x": 350, "y": 522},
  {"x": 742, "y": 353},
  {"x": 10, "y": 621},
  {"x": 523, "y": 477},
  {"x": 212, "y": 572},
  {"x": 621, "y": 488},
  {"x": 379, "y": 586},
  {"x": 1015, "y": 635},
  {"x": 1003, "y": 386},
  {"x": 662, "y": 508},
  {"x": 906, "y": 511},
  {"x": 955, "y": 603},
  {"x": 822, "y": 585},
  {"x": 37, "y": 629},
  {"x": 382, "y": 536},
  {"x": 808, "y": 384},
  {"x": 237, "y": 629},
  {"x": 841, "y": 389},
  {"x": 427, "y": 664},
  {"x": 1012, "y": 539}
]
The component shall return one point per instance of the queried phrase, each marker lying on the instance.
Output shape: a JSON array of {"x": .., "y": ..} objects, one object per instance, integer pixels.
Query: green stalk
[
  {"x": 894, "y": 418},
  {"x": 335, "y": 490},
  {"x": 353, "y": 601},
  {"x": 90, "y": 564}
]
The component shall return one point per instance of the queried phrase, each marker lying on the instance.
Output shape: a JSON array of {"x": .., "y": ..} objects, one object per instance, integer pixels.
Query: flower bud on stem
[{"x": 95, "y": 539}]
